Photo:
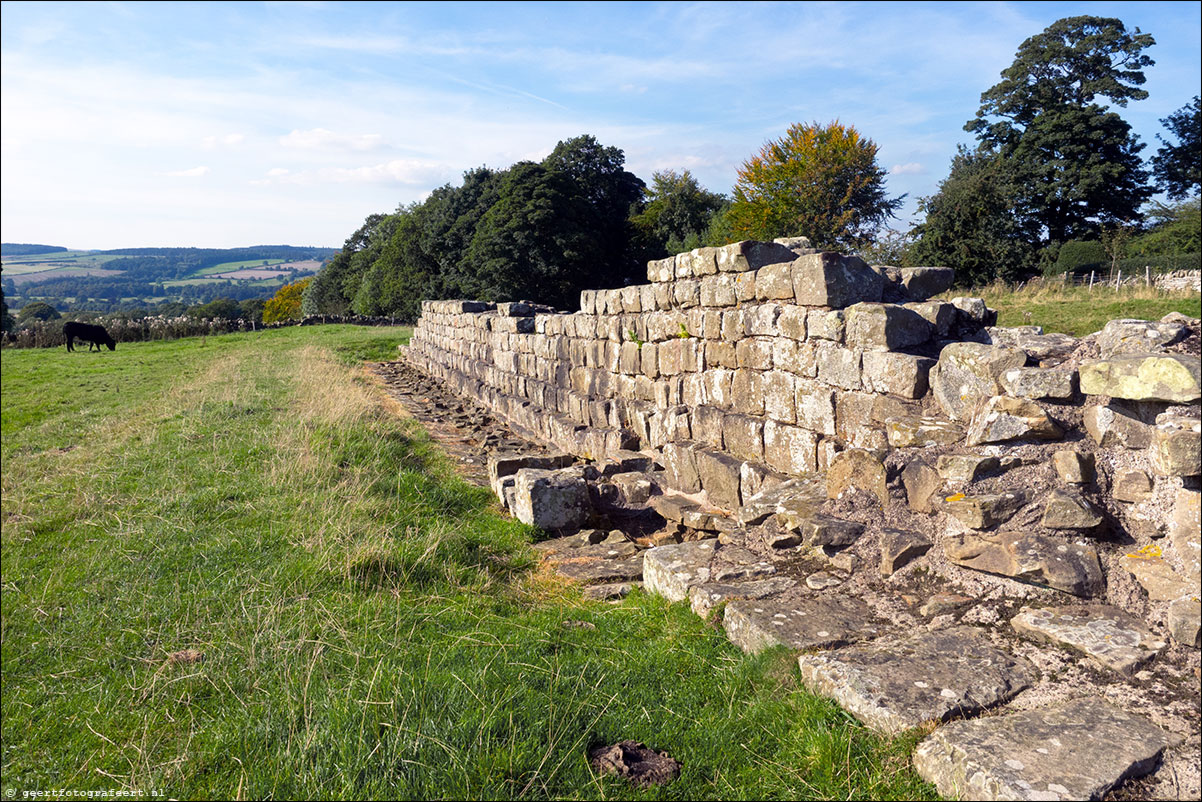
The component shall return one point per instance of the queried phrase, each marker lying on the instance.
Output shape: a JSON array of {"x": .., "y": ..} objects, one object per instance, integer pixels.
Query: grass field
[
  {"x": 183, "y": 282},
  {"x": 225, "y": 267},
  {"x": 229, "y": 570},
  {"x": 1079, "y": 310},
  {"x": 37, "y": 263}
]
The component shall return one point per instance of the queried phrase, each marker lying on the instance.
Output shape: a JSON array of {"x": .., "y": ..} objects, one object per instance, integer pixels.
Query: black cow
[{"x": 94, "y": 336}]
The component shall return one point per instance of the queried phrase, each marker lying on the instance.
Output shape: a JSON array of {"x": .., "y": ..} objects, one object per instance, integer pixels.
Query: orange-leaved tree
[
  {"x": 286, "y": 303},
  {"x": 818, "y": 181}
]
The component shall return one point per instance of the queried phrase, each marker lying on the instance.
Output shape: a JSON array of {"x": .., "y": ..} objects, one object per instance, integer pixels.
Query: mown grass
[
  {"x": 225, "y": 267},
  {"x": 368, "y": 625},
  {"x": 1079, "y": 310}
]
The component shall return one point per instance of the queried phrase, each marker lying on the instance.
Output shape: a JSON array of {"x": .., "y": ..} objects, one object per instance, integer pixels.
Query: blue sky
[{"x": 228, "y": 124}]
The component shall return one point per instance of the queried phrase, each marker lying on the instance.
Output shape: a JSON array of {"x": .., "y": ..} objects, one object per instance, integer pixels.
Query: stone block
[
  {"x": 670, "y": 571},
  {"x": 825, "y": 324},
  {"x": 1131, "y": 486},
  {"x": 686, "y": 293},
  {"x": 1128, "y": 336},
  {"x": 1113, "y": 426},
  {"x": 1072, "y": 568},
  {"x": 1156, "y": 575},
  {"x": 1110, "y": 637},
  {"x": 838, "y": 366},
  {"x": 983, "y": 511},
  {"x": 1003, "y": 419},
  {"x": 900, "y": 547},
  {"x": 790, "y": 449},
  {"x": 1067, "y": 509},
  {"x": 501, "y": 466},
  {"x": 1172, "y": 378},
  {"x": 1038, "y": 383},
  {"x": 774, "y": 282},
  {"x": 551, "y": 500},
  {"x": 859, "y": 469},
  {"x": 835, "y": 281},
  {"x": 896, "y": 374},
  {"x": 918, "y": 431},
  {"x": 1074, "y": 467},
  {"x": 884, "y": 327},
  {"x": 973, "y": 314},
  {"x": 798, "y": 623},
  {"x": 968, "y": 374},
  {"x": 1177, "y": 446},
  {"x": 719, "y": 354},
  {"x": 754, "y": 353},
  {"x": 739, "y": 257},
  {"x": 743, "y": 436},
  {"x": 780, "y": 401},
  {"x": 1185, "y": 532},
  {"x": 815, "y": 406},
  {"x": 940, "y": 314},
  {"x": 747, "y": 391},
  {"x": 680, "y": 467},
  {"x": 791, "y": 322},
  {"x": 921, "y": 283},
  {"x": 718, "y": 291},
  {"x": 720, "y": 477},
  {"x": 965, "y": 467},
  {"x": 707, "y": 426},
  {"x": 922, "y": 483},
  {"x": 1184, "y": 621}
]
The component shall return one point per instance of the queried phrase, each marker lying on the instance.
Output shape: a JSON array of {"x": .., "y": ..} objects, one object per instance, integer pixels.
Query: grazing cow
[{"x": 94, "y": 336}]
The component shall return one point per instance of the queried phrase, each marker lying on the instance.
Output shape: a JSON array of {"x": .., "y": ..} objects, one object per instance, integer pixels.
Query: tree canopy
[
  {"x": 286, "y": 303},
  {"x": 1178, "y": 168},
  {"x": 818, "y": 181},
  {"x": 677, "y": 213}
]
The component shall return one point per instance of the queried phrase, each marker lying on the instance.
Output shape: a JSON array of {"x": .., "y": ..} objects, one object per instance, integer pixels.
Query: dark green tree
[
  {"x": 817, "y": 181},
  {"x": 1175, "y": 229},
  {"x": 969, "y": 223},
  {"x": 1073, "y": 164},
  {"x": 676, "y": 213},
  {"x": 1178, "y": 168},
  {"x": 222, "y": 308},
  {"x": 7, "y": 323},
  {"x": 38, "y": 310}
]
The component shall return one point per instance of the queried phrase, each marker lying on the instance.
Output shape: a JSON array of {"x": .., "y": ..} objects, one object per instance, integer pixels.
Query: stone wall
[{"x": 733, "y": 365}]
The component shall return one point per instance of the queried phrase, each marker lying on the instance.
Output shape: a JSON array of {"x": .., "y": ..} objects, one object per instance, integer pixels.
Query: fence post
[
  {"x": 1118, "y": 282},
  {"x": 1148, "y": 275},
  {"x": 1091, "y": 274}
]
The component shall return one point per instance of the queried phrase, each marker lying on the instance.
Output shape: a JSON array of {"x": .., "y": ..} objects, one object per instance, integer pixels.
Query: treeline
[
  {"x": 27, "y": 249},
  {"x": 535, "y": 230},
  {"x": 112, "y": 293},
  {"x": 173, "y": 263}
]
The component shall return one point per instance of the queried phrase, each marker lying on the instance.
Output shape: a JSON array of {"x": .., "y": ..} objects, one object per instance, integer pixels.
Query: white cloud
[
  {"x": 192, "y": 172},
  {"x": 228, "y": 140},
  {"x": 318, "y": 138},
  {"x": 276, "y": 172},
  {"x": 909, "y": 168}
]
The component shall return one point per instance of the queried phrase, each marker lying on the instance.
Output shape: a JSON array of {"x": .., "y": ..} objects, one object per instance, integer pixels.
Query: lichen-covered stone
[
  {"x": 921, "y": 283},
  {"x": 551, "y": 500},
  {"x": 1054, "y": 383},
  {"x": 835, "y": 281},
  {"x": 1157, "y": 575},
  {"x": 929, "y": 676},
  {"x": 968, "y": 374},
  {"x": 860, "y": 469},
  {"x": 1184, "y": 621},
  {"x": 1177, "y": 447},
  {"x": 739, "y": 257},
  {"x": 983, "y": 511},
  {"x": 904, "y": 375},
  {"x": 1173, "y": 378},
  {"x": 922, "y": 483},
  {"x": 704, "y": 598},
  {"x": 965, "y": 467},
  {"x": 798, "y": 623},
  {"x": 1131, "y": 486},
  {"x": 884, "y": 327},
  {"x": 1129, "y": 336},
  {"x": 1071, "y": 567},
  {"x": 1074, "y": 467},
  {"x": 671, "y": 570},
  {"x": 1113, "y": 426},
  {"x": 1110, "y": 637},
  {"x": 1069, "y": 510},
  {"x": 720, "y": 477},
  {"x": 1003, "y": 418},
  {"x": 1073, "y": 750},
  {"x": 922, "y": 432}
]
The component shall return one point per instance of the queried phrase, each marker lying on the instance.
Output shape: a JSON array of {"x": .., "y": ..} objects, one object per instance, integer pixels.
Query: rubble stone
[
  {"x": 1074, "y": 467},
  {"x": 1177, "y": 447},
  {"x": 983, "y": 511},
  {"x": 1110, "y": 425},
  {"x": 1003, "y": 418},
  {"x": 798, "y": 623},
  {"x": 967, "y": 375},
  {"x": 922, "y": 432},
  {"x": 1131, "y": 486},
  {"x": 1111, "y": 638},
  {"x": 965, "y": 467},
  {"x": 1128, "y": 336},
  {"x": 899, "y": 547},
  {"x": 1040, "y": 383},
  {"x": 1068, "y": 510},
  {"x": 857, "y": 468},
  {"x": 1173, "y": 378},
  {"x": 1073, "y": 568}
]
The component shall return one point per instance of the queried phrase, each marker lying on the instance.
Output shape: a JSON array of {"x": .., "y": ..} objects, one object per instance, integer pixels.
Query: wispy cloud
[
  {"x": 909, "y": 168},
  {"x": 191, "y": 172},
  {"x": 318, "y": 138}
]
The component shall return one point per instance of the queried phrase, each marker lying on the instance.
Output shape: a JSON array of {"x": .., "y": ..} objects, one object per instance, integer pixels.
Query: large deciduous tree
[
  {"x": 1178, "y": 168},
  {"x": 1073, "y": 164},
  {"x": 818, "y": 181},
  {"x": 676, "y": 214}
]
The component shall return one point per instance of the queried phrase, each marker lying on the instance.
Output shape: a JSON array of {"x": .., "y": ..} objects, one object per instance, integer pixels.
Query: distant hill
[{"x": 21, "y": 249}]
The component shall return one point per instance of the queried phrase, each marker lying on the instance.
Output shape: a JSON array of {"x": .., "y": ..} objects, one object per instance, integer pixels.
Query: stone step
[
  {"x": 931, "y": 676},
  {"x": 1074, "y": 750},
  {"x": 798, "y": 622}
]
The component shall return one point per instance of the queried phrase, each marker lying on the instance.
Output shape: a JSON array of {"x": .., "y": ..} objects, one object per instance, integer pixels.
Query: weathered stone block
[
  {"x": 1173, "y": 378},
  {"x": 801, "y": 623},
  {"x": 1110, "y": 637},
  {"x": 921, "y": 283},
  {"x": 860, "y": 469},
  {"x": 791, "y": 322},
  {"x": 718, "y": 291},
  {"x": 671, "y": 571},
  {"x": 720, "y": 477},
  {"x": 739, "y": 257},
  {"x": 1131, "y": 486},
  {"x": 1128, "y": 336},
  {"x": 754, "y": 353},
  {"x": 1185, "y": 532},
  {"x": 1113, "y": 426},
  {"x": 1185, "y": 622},
  {"x": 1073, "y": 568},
  {"x": 940, "y": 314},
  {"x": 965, "y": 467},
  {"x": 922, "y": 483},
  {"x": 815, "y": 406},
  {"x": 551, "y": 500},
  {"x": 884, "y": 327},
  {"x": 838, "y": 366},
  {"x": 720, "y": 354},
  {"x": 1069, "y": 510},
  {"x": 1040, "y": 383},
  {"x": 790, "y": 449},
  {"x": 1074, "y": 467},
  {"x": 1177, "y": 447},
  {"x": 744, "y": 436},
  {"x": 899, "y": 547},
  {"x": 983, "y": 511},
  {"x": 1003, "y": 418},
  {"x": 747, "y": 390},
  {"x": 922, "y": 432},
  {"x": 835, "y": 281},
  {"x": 896, "y": 374},
  {"x": 779, "y": 396},
  {"x": 707, "y": 426},
  {"x": 774, "y": 282},
  {"x": 825, "y": 324},
  {"x": 968, "y": 374},
  {"x": 680, "y": 467}
]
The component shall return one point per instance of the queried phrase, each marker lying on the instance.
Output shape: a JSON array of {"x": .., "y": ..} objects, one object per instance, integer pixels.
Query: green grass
[
  {"x": 225, "y": 267},
  {"x": 370, "y": 625},
  {"x": 265, "y": 282},
  {"x": 1079, "y": 310}
]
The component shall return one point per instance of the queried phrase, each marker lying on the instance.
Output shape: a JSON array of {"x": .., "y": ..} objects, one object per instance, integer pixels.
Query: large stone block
[
  {"x": 859, "y": 469},
  {"x": 774, "y": 282},
  {"x": 1051, "y": 383},
  {"x": 744, "y": 436},
  {"x": 1113, "y": 426},
  {"x": 1172, "y": 378},
  {"x": 1070, "y": 567},
  {"x": 739, "y": 257},
  {"x": 815, "y": 406},
  {"x": 884, "y": 327},
  {"x": 835, "y": 281},
  {"x": 825, "y": 324},
  {"x": 790, "y": 449},
  {"x": 838, "y": 366},
  {"x": 1110, "y": 637},
  {"x": 1002, "y": 419},
  {"x": 779, "y": 396},
  {"x": 968, "y": 374},
  {"x": 551, "y": 500},
  {"x": 720, "y": 477},
  {"x": 680, "y": 466},
  {"x": 1177, "y": 446},
  {"x": 921, "y": 283},
  {"x": 896, "y": 374},
  {"x": 1128, "y": 336}
]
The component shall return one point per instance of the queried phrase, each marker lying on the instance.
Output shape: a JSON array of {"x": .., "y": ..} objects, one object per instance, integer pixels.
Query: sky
[{"x": 235, "y": 124}]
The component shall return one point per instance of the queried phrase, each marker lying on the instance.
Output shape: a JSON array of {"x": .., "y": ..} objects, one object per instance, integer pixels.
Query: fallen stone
[
  {"x": 899, "y": 547},
  {"x": 503, "y": 465},
  {"x": 1051, "y": 383},
  {"x": 614, "y": 590},
  {"x": 633, "y": 488},
  {"x": 1129, "y": 336},
  {"x": 943, "y": 604},
  {"x": 1131, "y": 486},
  {"x": 605, "y": 549},
  {"x": 1074, "y": 750},
  {"x": 1185, "y": 621},
  {"x": 630, "y": 759},
  {"x": 835, "y": 281},
  {"x": 973, "y": 313},
  {"x": 967, "y": 375},
  {"x": 843, "y": 561},
  {"x": 1073, "y": 568},
  {"x": 735, "y": 563},
  {"x": 1173, "y": 378},
  {"x": 781, "y": 538},
  {"x": 671, "y": 570},
  {"x": 1074, "y": 467},
  {"x": 859, "y": 469},
  {"x": 965, "y": 467},
  {"x": 1156, "y": 575},
  {"x": 601, "y": 571},
  {"x": 586, "y": 537},
  {"x": 983, "y": 511},
  {"x": 551, "y": 500},
  {"x": 1110, "y": 426},
  {"x": 720, "y": 477},
  {"x": 1177, "y": 447},
  {"x": 704, "y": 598},
  {"x": 1068, "y": 510},
  {"x": 798, "y": 623},
  {"x": 922, "y": 432},
  {"x": 821, "y": 580},
  {"x": 921, "y": 483},
  {"x": 1031, "y": 339},
  {"x": 1003, "y": 418},
  {"x": 1107, "y": 635},
  {"x": 673, "y": 507},
  {"x": 931, "y": 676},
  {"x": 826, "y": 530}
]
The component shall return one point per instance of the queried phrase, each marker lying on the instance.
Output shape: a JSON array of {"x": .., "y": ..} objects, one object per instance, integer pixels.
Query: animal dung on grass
[{"x": 635, "y": 762}]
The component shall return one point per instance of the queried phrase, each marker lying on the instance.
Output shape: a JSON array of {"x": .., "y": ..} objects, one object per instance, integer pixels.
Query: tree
[
  {"x": 1178, "y": 168},
  {"x": 818, "y": 181},
  {"x": 1073, "y": 164},
  {"x": 286, "y": 303},
  {"x": 219, "y": 308},
  {"x": 38, "y": 310},
  {"x": 969, "y": 223},
  {"x": 676, "y": 213},
  {"x": 1175, "y": 229},
  {"x": 6, "y": 320}
]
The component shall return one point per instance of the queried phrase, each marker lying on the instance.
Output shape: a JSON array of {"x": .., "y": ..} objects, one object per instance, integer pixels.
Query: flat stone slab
[
  {"x": 799, "y": 623},
  {"x": 1075, "y": 750},
  {"x": 932, "y": 676},
  {"x": 601, "y": 571},
  {"x": 704, "y": 598},
  {"x": 1110, "y": 637},
  {"x": 671, "y": 570}
]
